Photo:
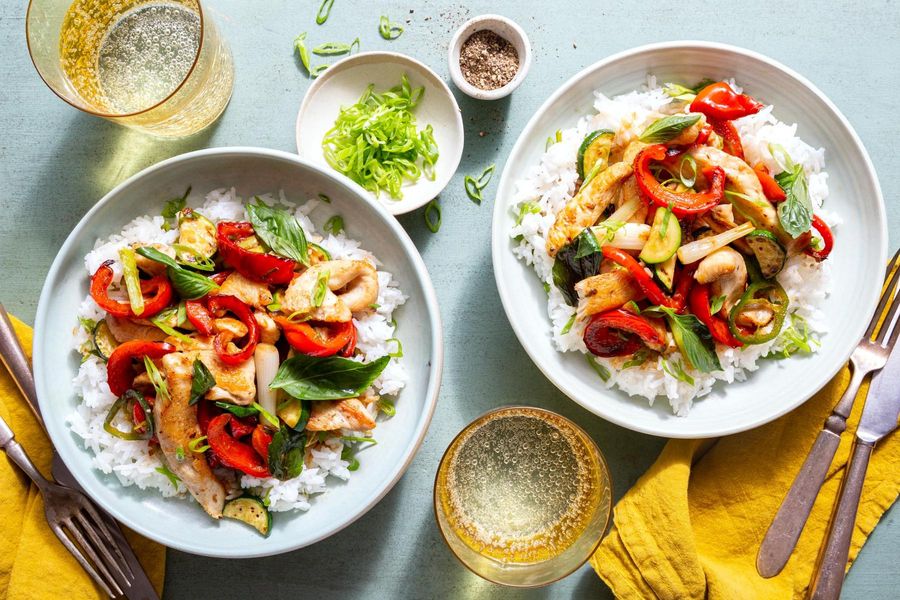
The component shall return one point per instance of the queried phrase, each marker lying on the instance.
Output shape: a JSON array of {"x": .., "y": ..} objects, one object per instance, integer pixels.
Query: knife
[
  {"x": 879, "y": 418},
  {"x": 13, "y": 356}
]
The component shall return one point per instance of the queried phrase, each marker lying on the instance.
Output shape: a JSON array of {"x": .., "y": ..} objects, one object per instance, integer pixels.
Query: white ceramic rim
[
  {"x": 456, "y": 44},
  {"x": 500, "y": 242},
  {"x": 394, "y": 208},
  {"x": 56, "y": 427}
]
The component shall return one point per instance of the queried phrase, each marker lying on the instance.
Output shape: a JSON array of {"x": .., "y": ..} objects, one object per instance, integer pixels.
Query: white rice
[
  {"x": 132, "y": 462},
  {"x": 549, "y": 185}
]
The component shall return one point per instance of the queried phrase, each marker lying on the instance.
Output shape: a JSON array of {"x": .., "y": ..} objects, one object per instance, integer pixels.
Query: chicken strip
[
  {"x": 176, "y": 427},
  {"x": 125, "y": 330},
  {"x": 586, "y": 207},
  {"x": 606, "y": 291},
  {"x": 339, "y": 414},
  {"x": 249, "y": 292},
  {"x": 352, "y": 286},
  {"x": 234, "y": 384},
  {"x": 726, "y": 272}
]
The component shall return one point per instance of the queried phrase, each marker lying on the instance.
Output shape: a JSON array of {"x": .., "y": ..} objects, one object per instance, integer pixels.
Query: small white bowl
[
  {"x": 344, "y": 82},
  {"x": 505, "y": 28}
]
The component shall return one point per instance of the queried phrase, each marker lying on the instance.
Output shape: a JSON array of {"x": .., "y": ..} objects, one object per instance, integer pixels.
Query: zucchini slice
[
  {"x": 664, "y": 238},
  {"x": 250, "y": 510},
  {"x": 595, "y": 147},
  {"x": 768, "y": 251},
  {"x": 104, "y": 342},
  {"x": 665, "y": 272}
]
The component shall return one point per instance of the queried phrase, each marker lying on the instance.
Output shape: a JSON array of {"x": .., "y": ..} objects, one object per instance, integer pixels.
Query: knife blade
[
  {"x": 882, "y": 407},
  {"x": 13, "y": 357}
]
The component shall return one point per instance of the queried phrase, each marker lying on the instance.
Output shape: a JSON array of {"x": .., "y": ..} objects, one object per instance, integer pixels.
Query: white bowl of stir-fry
[
  {"x": 237, "y": 353},
  {"x": 698, "y": 252}
]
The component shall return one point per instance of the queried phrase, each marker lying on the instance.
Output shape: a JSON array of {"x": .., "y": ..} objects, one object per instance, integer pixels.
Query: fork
[
  {"x": 75, "y": 522},
  {"x": 869, "y": 356}
]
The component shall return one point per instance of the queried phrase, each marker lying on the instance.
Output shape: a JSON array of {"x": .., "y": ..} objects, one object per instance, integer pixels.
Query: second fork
[{"x": 869, "y": 356}]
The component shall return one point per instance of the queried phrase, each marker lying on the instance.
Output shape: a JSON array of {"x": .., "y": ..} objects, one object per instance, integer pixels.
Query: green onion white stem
[
  {"x": 694, "y": 251},
  {"x": 266, "y": 360}
]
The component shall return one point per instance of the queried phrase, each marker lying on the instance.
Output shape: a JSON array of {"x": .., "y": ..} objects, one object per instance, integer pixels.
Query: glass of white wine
[
  {"x": 522, "y": 496},
  {"x": 159, "y": 66}
]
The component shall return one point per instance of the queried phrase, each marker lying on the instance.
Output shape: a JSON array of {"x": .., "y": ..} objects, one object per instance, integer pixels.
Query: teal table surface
[{"x": 55, "y": 163}]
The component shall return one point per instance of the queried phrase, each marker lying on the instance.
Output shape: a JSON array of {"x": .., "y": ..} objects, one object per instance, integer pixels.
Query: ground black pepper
[{"x": 487, "y": 60}]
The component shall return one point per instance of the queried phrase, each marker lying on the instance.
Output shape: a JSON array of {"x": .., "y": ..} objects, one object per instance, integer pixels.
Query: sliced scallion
[
  {"x": 387, "y": 407},
  {"x": 198, "y": 445},
  {"x": 156, "y": 378},
  {"x": 389, "y": 30},
  {"x": 132, "y": 280},
  {"x": 318, "y": 296},
  {"x": 433, "y": 216},
  {"x": 398, "y": 353},
  {"x": 324, "y": 11},
  {"x": 302, "y": 50},
  {"x": 334, "y": 225}
]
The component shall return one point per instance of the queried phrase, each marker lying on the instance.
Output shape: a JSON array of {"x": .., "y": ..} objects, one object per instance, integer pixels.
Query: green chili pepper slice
[
  {"x": 123, "y": 401},
  {"x": 764, "y": 294}
]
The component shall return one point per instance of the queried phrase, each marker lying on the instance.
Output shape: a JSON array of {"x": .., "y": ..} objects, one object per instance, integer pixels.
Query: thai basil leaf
[
  {"x": 576, "y": 261},
  {"x": 668, "y": 128},
  {"x": 279, "y": 230},
  {"x": 693, "y": 340},
  {"x": 286, "y": 453},
  {"x": 796, "y": 211},
  {"x": 333, "y": 378},
  {"x": 188, "y": 284},
  {"x": 202, "y": 382}
]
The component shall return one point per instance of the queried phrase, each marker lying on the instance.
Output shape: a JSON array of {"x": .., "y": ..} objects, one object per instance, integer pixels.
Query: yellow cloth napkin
[
  {"x": 692, "y": 525},
  {"x": 33, "y": 564}
]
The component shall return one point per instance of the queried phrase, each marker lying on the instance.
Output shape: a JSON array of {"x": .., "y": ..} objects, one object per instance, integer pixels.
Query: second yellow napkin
[
  {"x": 692, "y": 525},
  {"x": 33, "y": 564}
]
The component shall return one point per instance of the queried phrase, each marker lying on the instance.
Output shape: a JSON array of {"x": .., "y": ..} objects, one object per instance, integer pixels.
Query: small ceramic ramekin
[{"x": 506, "y": 29}]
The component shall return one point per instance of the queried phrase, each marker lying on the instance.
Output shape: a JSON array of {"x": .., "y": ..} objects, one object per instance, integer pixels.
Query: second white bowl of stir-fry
[{"x": 666, "y": 256}]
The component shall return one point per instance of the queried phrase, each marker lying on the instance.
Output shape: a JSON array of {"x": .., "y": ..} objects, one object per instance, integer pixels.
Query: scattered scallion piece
[
  {"x": 387, "y": 407},
  {"x": 334, "y": 48},
  {"x": 334, "y": 225},
  {"x": 377, "y": 143},
  {"x": 156, "y": 378},
  {"x": 132, "y": 280},
  {"x": 325, "y": 199},
  {"x": 317, "y": 70},
  {"x": 198, "y": 445},
  {"x": 324, "y": 11},
  {"x": 172, "y": 477},
  {"x": 266, "y": 415},
  {"x": 433, "y": 216},
  {"x": 389, "y": 30},
  {"x": 321, "y": 289},
  {"x": 568, "y": 326},
  {"x": 357, "y": 439},
  {"x": 302, "y": 50},
  {"x": 398, "y": 353},
  {"x": 601, "y": 371},
  {"x": 472, "y": 189}
]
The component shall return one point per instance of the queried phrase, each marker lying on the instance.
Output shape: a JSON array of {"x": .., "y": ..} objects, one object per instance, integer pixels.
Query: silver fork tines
[
  {"x": 76, "y": 523},
  {"x": 869, "y": 355}
]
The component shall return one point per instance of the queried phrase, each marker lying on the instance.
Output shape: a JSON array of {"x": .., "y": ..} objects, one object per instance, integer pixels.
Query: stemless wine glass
[
  {"x": 522, "y": 496},
  {"x": 159, "y": 66}
]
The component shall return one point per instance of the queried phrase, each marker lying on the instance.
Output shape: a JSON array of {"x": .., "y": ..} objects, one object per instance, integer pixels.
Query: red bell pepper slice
[
  {"x": 260, "y": 440},
  {"x": 157, "y": 294},
  {"x": 200, "y": 317},
  {"x": 231, "y": 452},
  {"x": 770, "y": 187},
  {"x": 119, "y": 371},
  {"x": 719, "y": 101},
  {"x": 704, "y": 134},
  {"x": 206, "y": 412},
  {"x": 326, "y": 339},
  {"x": 640, "y": 275},
  {"x": 350, "y": 348},
  {"x": 718, "y": 327},
  {"x": 241, "y": 427},
  {"x": 258, "y": 266},
  {"x": 683, "y": 286},
  {"x": 827, "y": 239},
  {"x": 220, "y": 277},
  {"x": 731, "y": 139},
  {"x": 243, "y": 313},
  {"x": 683, "y": 203},
  {"x": 603, "y": 334}
]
